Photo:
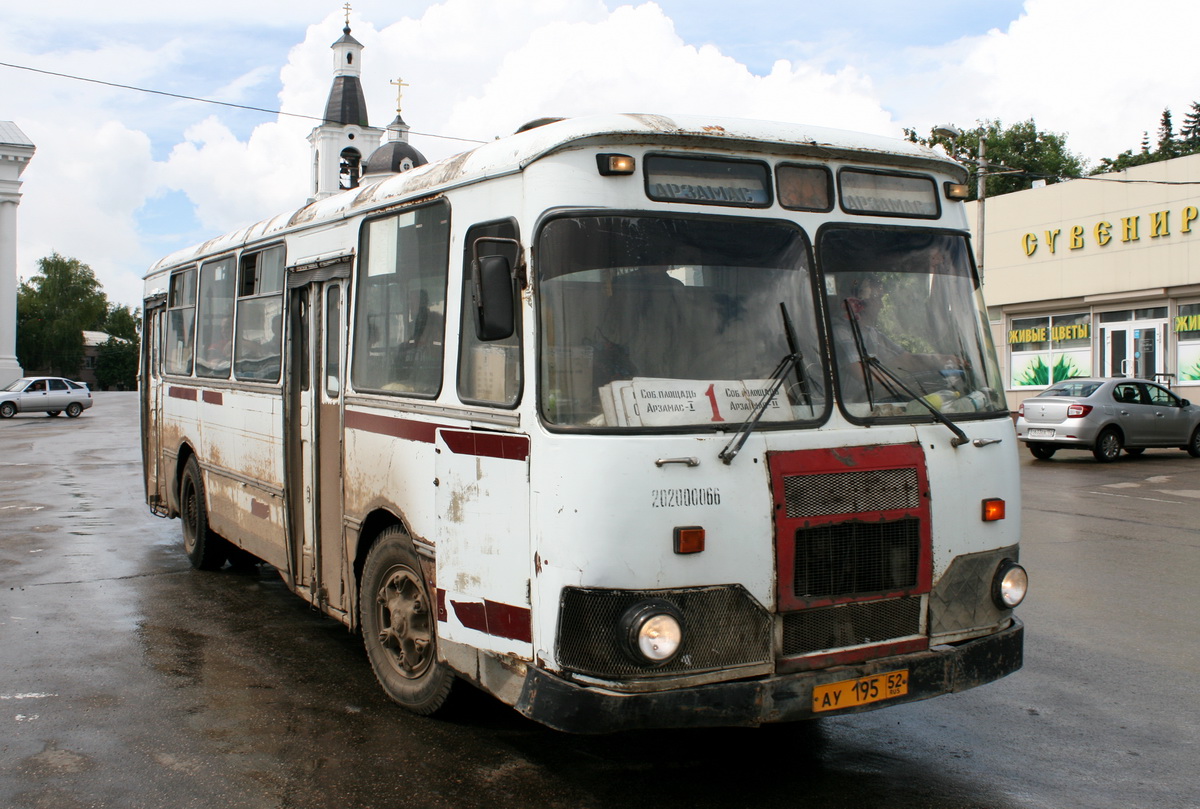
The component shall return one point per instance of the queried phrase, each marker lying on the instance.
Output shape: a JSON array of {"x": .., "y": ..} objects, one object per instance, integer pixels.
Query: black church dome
[{"x": 393, "y": 157}]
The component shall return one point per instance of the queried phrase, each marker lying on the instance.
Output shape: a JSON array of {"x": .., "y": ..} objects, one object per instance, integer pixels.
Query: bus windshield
[
  {"x": 907, "y": 324},
  {"x": 668, "y": 322}
]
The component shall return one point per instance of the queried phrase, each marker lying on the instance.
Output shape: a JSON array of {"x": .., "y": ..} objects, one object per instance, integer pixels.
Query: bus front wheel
[
  {"x": 399, "y": 626},
  {"x": 204, "y": 549}
]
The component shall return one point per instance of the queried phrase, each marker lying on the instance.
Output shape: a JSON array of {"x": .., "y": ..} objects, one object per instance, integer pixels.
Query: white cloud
[
  {"x": 235, "y": 183},
  {"x": 1099, "y": 70}
]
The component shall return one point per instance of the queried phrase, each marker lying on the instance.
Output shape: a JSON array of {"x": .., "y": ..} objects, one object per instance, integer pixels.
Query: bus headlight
[
  {"x": 1010, "y": 585},
  {"x": 652, "y": 631}
]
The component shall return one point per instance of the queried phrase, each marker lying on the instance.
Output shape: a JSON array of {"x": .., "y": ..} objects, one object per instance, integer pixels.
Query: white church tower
[
  {"x": 343, "y": 142},
  {"x": 15, "y": 152}
]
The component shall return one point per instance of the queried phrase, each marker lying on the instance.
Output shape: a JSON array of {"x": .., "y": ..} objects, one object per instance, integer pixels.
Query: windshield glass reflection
[
  {"x": 906, "y": 299},
  {"x": 657, "y": 322}
]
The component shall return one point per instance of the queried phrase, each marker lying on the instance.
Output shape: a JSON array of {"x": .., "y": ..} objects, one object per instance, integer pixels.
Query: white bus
[{"x": 630, "y": 421}]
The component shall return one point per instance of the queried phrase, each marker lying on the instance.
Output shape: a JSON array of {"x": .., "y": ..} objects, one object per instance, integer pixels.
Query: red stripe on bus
[
  {"x": 182, "y": 393},
  {"x": 494, "y": 618},
  {"x": 214, "y": 397},
  {"x": 390, "y": 425},
  {"x": 489, "y": 445}
]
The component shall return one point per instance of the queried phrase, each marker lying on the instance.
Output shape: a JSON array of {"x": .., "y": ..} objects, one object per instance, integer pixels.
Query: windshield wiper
[
  {"x": 793, "y": 359},
  {"x": 870, "y": 363}
]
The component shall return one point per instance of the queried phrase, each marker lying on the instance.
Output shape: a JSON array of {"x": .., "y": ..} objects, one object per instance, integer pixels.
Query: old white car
[{"x": 45, "y": 394}]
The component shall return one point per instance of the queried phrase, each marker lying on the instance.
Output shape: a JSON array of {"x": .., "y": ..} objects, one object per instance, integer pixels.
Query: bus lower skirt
[{"x": 573, "y": 708}]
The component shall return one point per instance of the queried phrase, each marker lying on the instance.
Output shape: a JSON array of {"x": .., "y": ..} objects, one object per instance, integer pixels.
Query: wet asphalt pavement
[{"x": 129, "y": 680}]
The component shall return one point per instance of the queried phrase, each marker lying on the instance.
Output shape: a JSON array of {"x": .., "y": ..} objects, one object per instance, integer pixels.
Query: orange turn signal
[
  {"x": 689, "y": 539},
  {"x": 993, "y": 509}
]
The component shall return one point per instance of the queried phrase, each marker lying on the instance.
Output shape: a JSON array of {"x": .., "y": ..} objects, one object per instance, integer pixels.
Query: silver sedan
[
  {"x": 1106, "y": 416},
  {"x": 46, "y": 394}
]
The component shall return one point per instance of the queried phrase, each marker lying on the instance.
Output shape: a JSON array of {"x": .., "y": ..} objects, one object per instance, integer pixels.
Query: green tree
[
  {"x": 1189, "y": 133},
  {"x": 117, "y": 364},
  {"x": 123, "y": 321},
  {"x": 53, "y": 309},
  {"x": 1168, "y": 146},
  {"x": 1028, "y": 152}
]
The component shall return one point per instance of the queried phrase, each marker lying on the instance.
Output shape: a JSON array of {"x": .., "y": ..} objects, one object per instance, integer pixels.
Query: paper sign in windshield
[{"x": 650, "y": 402}]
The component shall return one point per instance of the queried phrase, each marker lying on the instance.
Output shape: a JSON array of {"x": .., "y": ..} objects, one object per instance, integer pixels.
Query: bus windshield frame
[
  {"x": 664, "y": 322},
  {"x": 906, "y": 300}
]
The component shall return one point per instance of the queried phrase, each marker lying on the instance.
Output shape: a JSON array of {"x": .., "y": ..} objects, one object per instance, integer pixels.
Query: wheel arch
[
  {"x": 184, "y": 454},
  {"x": 375, "y": 523},
  {"x": 1115, "y": 427}
]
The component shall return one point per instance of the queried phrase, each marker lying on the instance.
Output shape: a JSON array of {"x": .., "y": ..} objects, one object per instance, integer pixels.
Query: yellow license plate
[{"x": 860, "y": 691}]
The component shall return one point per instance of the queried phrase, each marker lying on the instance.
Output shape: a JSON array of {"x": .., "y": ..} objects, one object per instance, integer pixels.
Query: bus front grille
[
  {"x": 823, "y": 495},
  {"x": 852, "y": 558},
  {"x": 723, "y": 627},
  {"x": 838, "y": 627}
]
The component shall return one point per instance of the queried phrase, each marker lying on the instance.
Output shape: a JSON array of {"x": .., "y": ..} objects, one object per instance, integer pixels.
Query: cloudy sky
[{"x": 121, "y": 177}]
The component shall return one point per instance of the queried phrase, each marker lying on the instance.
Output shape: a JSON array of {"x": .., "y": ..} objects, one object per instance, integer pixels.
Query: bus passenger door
[
  {"x": 314, "y": 463},
  {"x": 150, "y": 396}
]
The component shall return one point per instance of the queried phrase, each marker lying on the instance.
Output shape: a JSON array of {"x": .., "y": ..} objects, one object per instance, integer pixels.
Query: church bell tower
[{"x": 343, "y": 141}]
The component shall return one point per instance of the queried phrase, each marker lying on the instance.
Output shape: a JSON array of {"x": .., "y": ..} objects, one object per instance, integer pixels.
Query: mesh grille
[
  {"x": 851, "y": 492},
  {"x": 845, "y": 625},
  {"x": 852, "y": 558},
  {"x": 723, "y": 627}
]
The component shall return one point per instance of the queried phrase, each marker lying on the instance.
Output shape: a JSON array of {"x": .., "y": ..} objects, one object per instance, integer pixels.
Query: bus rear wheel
[
  {"x": 205, "y": 549},
  {"x": 399, "y": 626}
]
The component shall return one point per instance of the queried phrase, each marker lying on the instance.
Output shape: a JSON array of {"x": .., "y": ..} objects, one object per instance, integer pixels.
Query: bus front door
[
  {"x": 316, "y": 555},
  {"x": 150, "y": 394}
]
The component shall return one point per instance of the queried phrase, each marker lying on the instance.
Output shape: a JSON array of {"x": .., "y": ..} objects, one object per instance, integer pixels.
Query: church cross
[{"x": 400, "y": 85}]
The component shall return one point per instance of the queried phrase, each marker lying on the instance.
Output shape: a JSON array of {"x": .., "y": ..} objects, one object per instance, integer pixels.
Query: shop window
[
  {"x": 1187, "y": 331},
  {"x": 1049, "y": 349}
]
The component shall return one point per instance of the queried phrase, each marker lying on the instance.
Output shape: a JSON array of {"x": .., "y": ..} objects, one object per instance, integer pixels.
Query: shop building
[{"x": 1097, "y": 277}]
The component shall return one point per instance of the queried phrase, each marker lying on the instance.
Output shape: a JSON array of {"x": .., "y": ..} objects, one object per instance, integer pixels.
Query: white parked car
[{"x": 46, "y": 394}]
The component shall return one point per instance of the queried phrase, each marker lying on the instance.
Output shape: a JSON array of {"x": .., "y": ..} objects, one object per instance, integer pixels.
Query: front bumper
[{"x": 573, "y": 708}]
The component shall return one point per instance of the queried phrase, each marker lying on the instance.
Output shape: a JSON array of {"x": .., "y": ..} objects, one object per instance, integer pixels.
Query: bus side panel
[
  {"x": 389, "y": 466},
  {"x": 483, "y": 553},
  {"x": 241, "y": 453}
]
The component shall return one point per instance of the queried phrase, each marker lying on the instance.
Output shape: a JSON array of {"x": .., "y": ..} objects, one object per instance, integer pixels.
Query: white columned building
[{"x": 15, "y": 152}]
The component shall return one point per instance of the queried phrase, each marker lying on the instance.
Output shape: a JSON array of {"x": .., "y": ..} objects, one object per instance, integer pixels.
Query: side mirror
[
  {"x": 1185, "y": 403},
  {"x": 495, "y": 292}
]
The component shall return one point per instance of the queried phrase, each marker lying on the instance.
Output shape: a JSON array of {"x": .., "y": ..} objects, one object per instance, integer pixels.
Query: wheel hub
[{"x": 405, "y": 631}]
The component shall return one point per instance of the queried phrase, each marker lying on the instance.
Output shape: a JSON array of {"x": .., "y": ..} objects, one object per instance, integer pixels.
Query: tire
[
  {"x": 399, "y": 626},
  {"x": 74, "y": 409},
  {"x": 1108, "y": 445},
  {"x": 52, "y": 413},
  {"x": 7, "y": 410},
  {"x": 1193, "y": 447},
  {"x": 1134, "y": 450},
  {"x": 1042, "y": 452},
  {"x": 204, "y": 549}
]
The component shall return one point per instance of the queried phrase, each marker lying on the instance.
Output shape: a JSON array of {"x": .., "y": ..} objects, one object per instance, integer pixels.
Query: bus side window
[
  {"x": 259, "y": 340},
  {"x": 214, "y": 313},
  {"x": 181, "y": 321},
  {"x": 333, "y": 342},
  {"x": 400, "y": 308},
  {"x": 488, "y": 373}
]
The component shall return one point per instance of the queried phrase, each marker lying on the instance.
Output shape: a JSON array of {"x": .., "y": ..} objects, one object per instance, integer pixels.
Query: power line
[{"x": 208, "y": 100}]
